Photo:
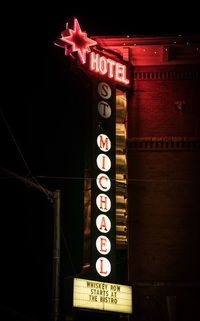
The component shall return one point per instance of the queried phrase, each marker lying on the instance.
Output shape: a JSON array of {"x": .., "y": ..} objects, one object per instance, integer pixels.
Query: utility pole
[
  {"x": 56, "y": 257},
  {"x": 54, "y": 197}
]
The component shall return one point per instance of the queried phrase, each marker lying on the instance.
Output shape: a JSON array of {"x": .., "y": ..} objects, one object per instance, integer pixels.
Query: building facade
[{"x": 163, "y": 172}]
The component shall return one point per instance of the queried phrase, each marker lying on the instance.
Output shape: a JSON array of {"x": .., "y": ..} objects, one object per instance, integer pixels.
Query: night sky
[{"x": 42, "y": 137}]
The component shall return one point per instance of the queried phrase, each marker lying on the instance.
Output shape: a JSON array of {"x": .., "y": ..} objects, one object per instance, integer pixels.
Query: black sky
[{"x": 42, "y": 131}]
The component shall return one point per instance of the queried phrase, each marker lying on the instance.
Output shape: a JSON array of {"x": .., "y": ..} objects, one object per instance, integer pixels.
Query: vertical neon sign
[
  {"x": 100, "y": 189},
  {"x": 103, "y": 192}
]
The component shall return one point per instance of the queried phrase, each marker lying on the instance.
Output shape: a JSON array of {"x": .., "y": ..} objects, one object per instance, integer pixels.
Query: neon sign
[
  {"x": 74, "y": 40},
  {"x": 106, "y": 66},
  {"x": 104, "y": 204},
  {"x": 108, "y": 71}
]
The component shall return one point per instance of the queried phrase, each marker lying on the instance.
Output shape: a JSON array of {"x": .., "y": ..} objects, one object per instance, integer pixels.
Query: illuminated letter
[
  {"x": 103, "y": 182},
  {"x": 94, "y": 61},
  {"x": 124, "y": 80},
  {"x": 104, "y": 142},
  {"x": 103, "y": 247},
  {"x": 103, "y": 65},
  {"x": 103, "y": 162},
  {"x": 103, "y": 202},
  {"x": 111, "y": 64},
  {"x": 103, "y": 266},
  {"x": 104, "y": 90},
  {"x": 104, "y": 109},
  {"x": 103, "y": 244},
  {"x": 120, "y": 73},
  {"x": 103, "y": 223}
]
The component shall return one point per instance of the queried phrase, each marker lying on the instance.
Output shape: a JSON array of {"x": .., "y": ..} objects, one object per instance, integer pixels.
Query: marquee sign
[{"x": 102, "y": 296}]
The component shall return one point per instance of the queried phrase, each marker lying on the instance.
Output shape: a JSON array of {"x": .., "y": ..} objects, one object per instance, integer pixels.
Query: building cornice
[
  {"x": 154, "y": 50},
  {"x": 164, "y": 143},
  {"x": 107, "y": 41}
]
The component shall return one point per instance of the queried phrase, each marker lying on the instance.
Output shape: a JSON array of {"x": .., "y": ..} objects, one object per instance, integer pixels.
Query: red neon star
[{"x": 75, "y": 40}]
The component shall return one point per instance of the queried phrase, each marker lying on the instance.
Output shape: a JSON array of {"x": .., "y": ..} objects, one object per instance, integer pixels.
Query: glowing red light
[
  {"x": 75, "y": 40},
  {"x": 104, "y": 66}
]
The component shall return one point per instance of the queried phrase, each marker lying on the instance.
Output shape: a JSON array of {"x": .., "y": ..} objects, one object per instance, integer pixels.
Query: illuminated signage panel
[
  {"x": 108, "y": 71},
  {"x": 111, "y": 68},
  {"x": 103, "y": 187},
  {"x": 77, "y": 44},
  {"x": 103, "y": 296}
]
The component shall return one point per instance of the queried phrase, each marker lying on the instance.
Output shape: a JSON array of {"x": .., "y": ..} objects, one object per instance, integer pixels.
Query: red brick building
[{"x": 163, "y": 157}]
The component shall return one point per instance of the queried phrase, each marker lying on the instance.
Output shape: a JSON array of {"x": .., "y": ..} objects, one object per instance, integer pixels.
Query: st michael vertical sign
[
  {"x": 103, "y": 185},
  {"x": 105, "y": 72}
]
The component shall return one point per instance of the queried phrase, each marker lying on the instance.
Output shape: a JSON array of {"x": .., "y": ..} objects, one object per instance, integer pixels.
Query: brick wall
[
  {"x": 155, "y": 107},
  {"x": 164, "y": 218},
  {"x": 163, "y": 196}
]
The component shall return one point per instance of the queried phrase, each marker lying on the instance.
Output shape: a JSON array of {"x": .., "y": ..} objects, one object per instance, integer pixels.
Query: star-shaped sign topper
[{"x": 75, "y": 40}]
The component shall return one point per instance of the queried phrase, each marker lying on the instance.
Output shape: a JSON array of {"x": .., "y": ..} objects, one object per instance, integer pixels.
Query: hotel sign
[
  {"x": 102, "y": 296},
  {"x": 94, "y": 61},
  {"x": 106, "y": 71},
  {"x": 109, "y": 68}
]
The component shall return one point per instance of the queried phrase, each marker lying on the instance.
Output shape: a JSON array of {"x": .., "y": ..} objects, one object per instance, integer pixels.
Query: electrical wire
[
  {"x": 22, "y": 156},
  {"x": 34, "y": 178},
  {"x": 145, "y": 180},
  {"x": 118, "y": 180}
]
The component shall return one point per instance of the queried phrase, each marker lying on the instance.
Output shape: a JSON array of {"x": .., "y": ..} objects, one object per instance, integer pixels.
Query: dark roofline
[{"x": 131, "y": 40}]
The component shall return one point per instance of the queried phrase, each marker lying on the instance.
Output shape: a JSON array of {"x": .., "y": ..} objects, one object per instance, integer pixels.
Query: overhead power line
[
  {"x": 28, "y": 182},
  {"x": 21, "y": 154},
  {"x": 153, "y": 180},
  {"x": 54, "y": 197}
]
